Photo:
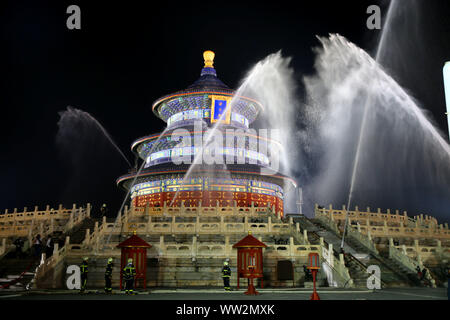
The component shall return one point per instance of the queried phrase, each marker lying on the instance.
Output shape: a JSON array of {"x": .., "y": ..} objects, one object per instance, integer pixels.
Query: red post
[
  {"x": 314, "y": 267},
  {"x": 315, "y": 295},
  {"x": 251, "y": 291}
]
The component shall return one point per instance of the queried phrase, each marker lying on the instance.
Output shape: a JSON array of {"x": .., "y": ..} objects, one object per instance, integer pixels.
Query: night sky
[{"x": 127, "y": 55}]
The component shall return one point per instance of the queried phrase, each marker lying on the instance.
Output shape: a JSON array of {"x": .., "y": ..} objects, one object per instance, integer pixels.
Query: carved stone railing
[
  {"x": 327, "y": 220},
  {"x": 337, "y": 273},
  {"x": 387, "y": 224},
  {"x": 30, "y": 223},
  {"x": 364, "y": 240},
  {"x": 401, "y": 257},
  {"x": 354, "y": 233}
]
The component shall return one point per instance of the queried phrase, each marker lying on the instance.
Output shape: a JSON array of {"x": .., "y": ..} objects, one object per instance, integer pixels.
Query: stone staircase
[
  {"x": 358, "y": 258},
  {"x": 392, "y": 273},
  {"x": 78, "y": 234}
]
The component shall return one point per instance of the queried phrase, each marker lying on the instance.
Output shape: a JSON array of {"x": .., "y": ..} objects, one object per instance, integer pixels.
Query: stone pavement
[{"x": 217, "y": 294}]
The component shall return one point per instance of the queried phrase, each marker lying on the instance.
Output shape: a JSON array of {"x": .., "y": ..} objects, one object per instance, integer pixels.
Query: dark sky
[{"x": 127, "y": 55}]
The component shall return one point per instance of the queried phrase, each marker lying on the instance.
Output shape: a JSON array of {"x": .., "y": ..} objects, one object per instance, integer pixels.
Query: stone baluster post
[
  {"x": 86, "y": 238},
  {"x": 30, "y": 236},
  {"x": 71, "y": 219},
  {"x": 88, "y": 210},
  {"x": 222, "y": 225},
  {"x": 416, "y": 246},
  {"x": 291, "y": 247},
  {"x": 194, "y": 247},
  {"x": 305, "y": 235},
  {"x": 404, "y": 250},
  {"x": 3, "y": 249},
  {"x": 341, "y": 259},
  {"x": 161, "y": 244},
  {"x": 331, "y": 254},
  {"x": 56, "y": 250},
  {"x": 197, "y": 225}
]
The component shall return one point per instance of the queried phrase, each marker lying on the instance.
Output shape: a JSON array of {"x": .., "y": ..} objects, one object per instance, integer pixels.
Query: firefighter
[
  {"x": 129, "y": 272},
  {"x": 84, "y": 274},
  {"x": 108, "y": 276},
  {"x": 226, "y": 274},
  {"x": 103, "y": 210}
]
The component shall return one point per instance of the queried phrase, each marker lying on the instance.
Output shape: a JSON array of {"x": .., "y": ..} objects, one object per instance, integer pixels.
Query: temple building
[
  {"x": 192, "y": 199},
  {"x": 233, "y": 175}
]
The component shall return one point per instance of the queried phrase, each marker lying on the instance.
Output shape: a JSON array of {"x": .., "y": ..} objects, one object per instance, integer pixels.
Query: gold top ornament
[{"x": 209, "y": 58}]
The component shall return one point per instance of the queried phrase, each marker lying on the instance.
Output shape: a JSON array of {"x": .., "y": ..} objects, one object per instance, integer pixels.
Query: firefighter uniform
[
  {"x": 108, "y": 276},
  {"x": 226, "y": 274},
  {"x": 84, "y": 274},
  {"x": 129, "y": 272}
]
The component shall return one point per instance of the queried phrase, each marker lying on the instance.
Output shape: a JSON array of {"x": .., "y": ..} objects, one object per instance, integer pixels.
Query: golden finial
[
  {"x": 134, "y": 232},
  {"x": 209, "y": 58},
  {"x": 249, "y": 232}
]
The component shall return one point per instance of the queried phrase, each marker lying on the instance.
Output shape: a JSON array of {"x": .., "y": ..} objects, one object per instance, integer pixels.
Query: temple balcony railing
[
  {"x": 340, "y": 214},
  {"x": 29, "y": 224},
  {"x": 192, "y": 249},
  {"x": 47, "y": 214},
  {"x": 193, "y": 211},
  {"x": 387, "y": 225}
]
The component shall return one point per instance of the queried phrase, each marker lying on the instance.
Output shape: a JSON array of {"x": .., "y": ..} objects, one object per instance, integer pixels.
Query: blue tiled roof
[{"x": 208, "y": 79}]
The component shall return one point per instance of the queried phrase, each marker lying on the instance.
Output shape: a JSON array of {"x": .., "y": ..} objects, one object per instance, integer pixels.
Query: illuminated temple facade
[{"x": 191, "y": 114}]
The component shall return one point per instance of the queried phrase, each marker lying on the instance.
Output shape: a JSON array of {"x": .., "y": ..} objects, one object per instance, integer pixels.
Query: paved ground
[{"x": 213, "y": 294}]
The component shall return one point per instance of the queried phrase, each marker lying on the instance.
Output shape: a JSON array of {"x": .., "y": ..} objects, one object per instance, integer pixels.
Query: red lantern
[
  {"x": 314, "y": 266},
  {"x": 250, "y": 261},
  {"x": 135, "y": 248}
]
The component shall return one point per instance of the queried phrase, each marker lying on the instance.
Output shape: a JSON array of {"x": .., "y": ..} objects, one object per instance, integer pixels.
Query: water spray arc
[
  {"x": 72, "y": 116},
  {"x": 363, "y": 125},
  {"x": 447, "y": 91}
]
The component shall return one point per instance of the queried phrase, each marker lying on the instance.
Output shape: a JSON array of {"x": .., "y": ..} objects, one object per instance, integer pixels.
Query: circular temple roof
[{"x": 208, "y": 83}]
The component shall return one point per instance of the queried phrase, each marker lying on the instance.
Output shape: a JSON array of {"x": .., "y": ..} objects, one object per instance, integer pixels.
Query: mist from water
[
  {"x": 75, "y": 124},
  {"x": 403, "y": 159}
]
